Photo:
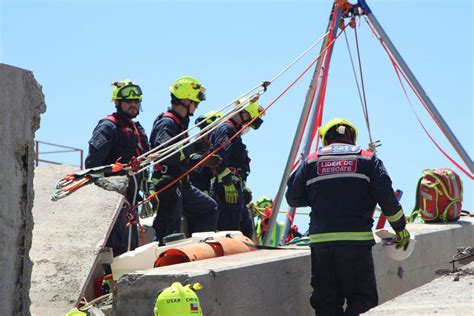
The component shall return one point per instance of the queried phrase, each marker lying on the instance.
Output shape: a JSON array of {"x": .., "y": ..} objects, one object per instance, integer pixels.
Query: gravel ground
[{"x": 450, "y": 294}]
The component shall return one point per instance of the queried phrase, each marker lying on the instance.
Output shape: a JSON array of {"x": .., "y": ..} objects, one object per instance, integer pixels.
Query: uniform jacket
[
  {"x": 234, "y": 154},
  {"x": 342, "y": 184},
  {"x": 116, "y": 137},
  {"x": 166, "y": 126}
]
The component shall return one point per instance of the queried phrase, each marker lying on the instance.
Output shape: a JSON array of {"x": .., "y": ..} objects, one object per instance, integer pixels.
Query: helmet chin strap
[{"x": 188, "y": 113}]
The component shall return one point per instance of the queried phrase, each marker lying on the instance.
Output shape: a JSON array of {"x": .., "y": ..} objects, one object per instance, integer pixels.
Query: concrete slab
[
  {"x": 276, "y": 282},
  {"x": 21, "y": 103},
  {"x": 67, "y": 237}
]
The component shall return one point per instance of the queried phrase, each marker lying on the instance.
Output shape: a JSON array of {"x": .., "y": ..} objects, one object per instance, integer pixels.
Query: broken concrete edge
[
  {"x": 104, "y": 256},
  {"x": 21, "y": 95}
]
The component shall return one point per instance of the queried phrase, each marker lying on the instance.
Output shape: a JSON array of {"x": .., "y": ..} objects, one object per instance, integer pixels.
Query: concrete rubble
[{"x": 21, "y": 103}]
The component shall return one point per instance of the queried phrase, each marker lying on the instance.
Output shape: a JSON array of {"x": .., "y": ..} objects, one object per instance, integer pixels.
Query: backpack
[{"x": 438, "y": 196}]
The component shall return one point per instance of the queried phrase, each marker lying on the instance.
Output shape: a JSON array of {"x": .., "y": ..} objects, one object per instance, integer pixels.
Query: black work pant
[
  {"x": 246, "y": 223},
  {"x": 342, "y": 273},
  {"x": 230, "y": 214},
  {"x": 181, "y": 199},
  {"x": 118, "y": 238}
]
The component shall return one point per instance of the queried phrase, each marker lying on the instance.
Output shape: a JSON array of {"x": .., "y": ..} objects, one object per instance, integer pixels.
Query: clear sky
[{"x": 77, "y": 48}]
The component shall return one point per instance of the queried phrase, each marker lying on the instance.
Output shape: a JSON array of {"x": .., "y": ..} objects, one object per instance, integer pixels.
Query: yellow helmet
[
  {"x": 125, "y": 90},
  {"x": 337, "y": 127},
  {"x": 178, "y": 300},
  {"x": 208, "y": 118},
  {"x": 76, "y": 312},
  {"x": 188, "y": 88},
  {"x": 264, "y": 201},
  {"x": 253, "y": 109}
]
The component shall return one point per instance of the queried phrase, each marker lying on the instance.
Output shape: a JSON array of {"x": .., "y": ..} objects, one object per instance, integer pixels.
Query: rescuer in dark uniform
[
  {"x": 116, "y": 137},
  {"x": 201, "y": 176},
  {"x": 229, "y": 182},
  {"x": 343, "y": 183},
  {"x": 182, "y": 198}
]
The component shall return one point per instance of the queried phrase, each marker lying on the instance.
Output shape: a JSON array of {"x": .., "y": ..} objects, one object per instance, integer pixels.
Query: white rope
[{"x": 362, "y": 102}]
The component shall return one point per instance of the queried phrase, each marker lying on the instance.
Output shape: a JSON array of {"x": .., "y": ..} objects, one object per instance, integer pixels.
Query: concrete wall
[
  {"x": 276, "y": 282},
  {"x": 21, "y": 103}
]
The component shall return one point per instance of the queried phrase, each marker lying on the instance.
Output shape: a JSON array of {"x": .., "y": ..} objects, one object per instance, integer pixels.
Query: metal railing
[{"x": 67, "y": 149}]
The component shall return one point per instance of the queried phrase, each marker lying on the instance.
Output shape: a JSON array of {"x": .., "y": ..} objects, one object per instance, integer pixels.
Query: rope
[
  {"x": 263, "y": 85},
  {"x": 299, "y": 57},
  {"x": 400, "y": 71},
  {"x": 170, "y": 184},
  {"x": 362, "y": 96}
]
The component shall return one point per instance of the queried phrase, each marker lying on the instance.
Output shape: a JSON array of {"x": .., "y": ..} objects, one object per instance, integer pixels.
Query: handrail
[{"x": 69, "y": 149}]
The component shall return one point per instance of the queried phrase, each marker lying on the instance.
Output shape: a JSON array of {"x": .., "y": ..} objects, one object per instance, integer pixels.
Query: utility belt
[{"x": 163, "y": 174}]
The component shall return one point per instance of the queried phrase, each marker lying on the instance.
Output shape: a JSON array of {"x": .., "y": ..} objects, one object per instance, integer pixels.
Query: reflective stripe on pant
[{"x": 342, "y": 272}]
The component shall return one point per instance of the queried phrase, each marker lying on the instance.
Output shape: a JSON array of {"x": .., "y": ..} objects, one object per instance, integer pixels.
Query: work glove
[
  {"x": 402, "y": 239},
  {"x": 230, "y": 191},
  {"x": 247, "y": 195},
  {"x": 253, "y": 209},
  {"x": 213, "y": 161}
]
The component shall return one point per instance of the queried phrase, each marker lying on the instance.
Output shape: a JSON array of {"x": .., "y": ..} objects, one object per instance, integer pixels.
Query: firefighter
[
  {"x": 342, "y": 184},
  {"x": 201, "y": 176},
  {"x": 118, "y": 137},
  {"x": 199, "y": 210},
  {"x": 264, "y": 211},
  {"x": 229, "y": 182}
]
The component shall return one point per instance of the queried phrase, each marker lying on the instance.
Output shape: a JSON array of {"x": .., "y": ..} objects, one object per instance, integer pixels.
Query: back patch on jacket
[{"x": 339, "y": 165}]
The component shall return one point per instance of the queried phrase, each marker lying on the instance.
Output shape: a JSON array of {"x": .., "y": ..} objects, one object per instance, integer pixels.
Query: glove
[
  {"x": 213, "y": 161},
  {"x": 402, "y": 239},
  {"x": 231, "y": 193},
  {"x": 247, "y": 195},
  {"x": 253, "y": 209}
]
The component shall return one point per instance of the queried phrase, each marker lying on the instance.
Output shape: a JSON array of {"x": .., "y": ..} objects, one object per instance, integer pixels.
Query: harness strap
[{"x": 114, "y": 118}]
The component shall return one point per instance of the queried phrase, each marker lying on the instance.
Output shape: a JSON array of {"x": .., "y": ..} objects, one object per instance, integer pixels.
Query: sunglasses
[{"x": 130, "y": 91}]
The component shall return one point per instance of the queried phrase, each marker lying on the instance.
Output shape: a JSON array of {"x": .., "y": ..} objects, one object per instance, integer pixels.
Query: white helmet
[{"x": 389, "y": 247}]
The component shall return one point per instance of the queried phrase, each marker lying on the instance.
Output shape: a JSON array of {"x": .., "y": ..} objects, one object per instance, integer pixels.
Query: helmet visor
[
  {"x": 130, "y": 92},
  {"x": 201, "y": 95}
]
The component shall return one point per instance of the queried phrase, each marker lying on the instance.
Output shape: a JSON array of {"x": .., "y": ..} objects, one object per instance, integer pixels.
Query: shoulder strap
[
  {"x": 416, "y": 209},
  {"x": 173, "y": 117},
  {"x": 114, "y": 119}
]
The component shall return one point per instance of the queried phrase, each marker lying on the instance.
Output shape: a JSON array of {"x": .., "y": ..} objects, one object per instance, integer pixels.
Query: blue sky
[{"x": 77, "y": 48}]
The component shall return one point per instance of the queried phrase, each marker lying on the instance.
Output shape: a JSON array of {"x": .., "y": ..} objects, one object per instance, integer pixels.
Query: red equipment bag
[{"x": 438, "y": 196}]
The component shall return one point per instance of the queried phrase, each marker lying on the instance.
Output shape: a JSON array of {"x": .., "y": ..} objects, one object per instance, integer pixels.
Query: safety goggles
[
  {"x": 202, "y": 91},
  {"x": 129, "y": 92}
]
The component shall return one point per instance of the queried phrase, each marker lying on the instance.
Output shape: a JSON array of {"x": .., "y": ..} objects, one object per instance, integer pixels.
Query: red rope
[
  {"x": 400, "y": 71},
  {"x": 242, "y": 129}
]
